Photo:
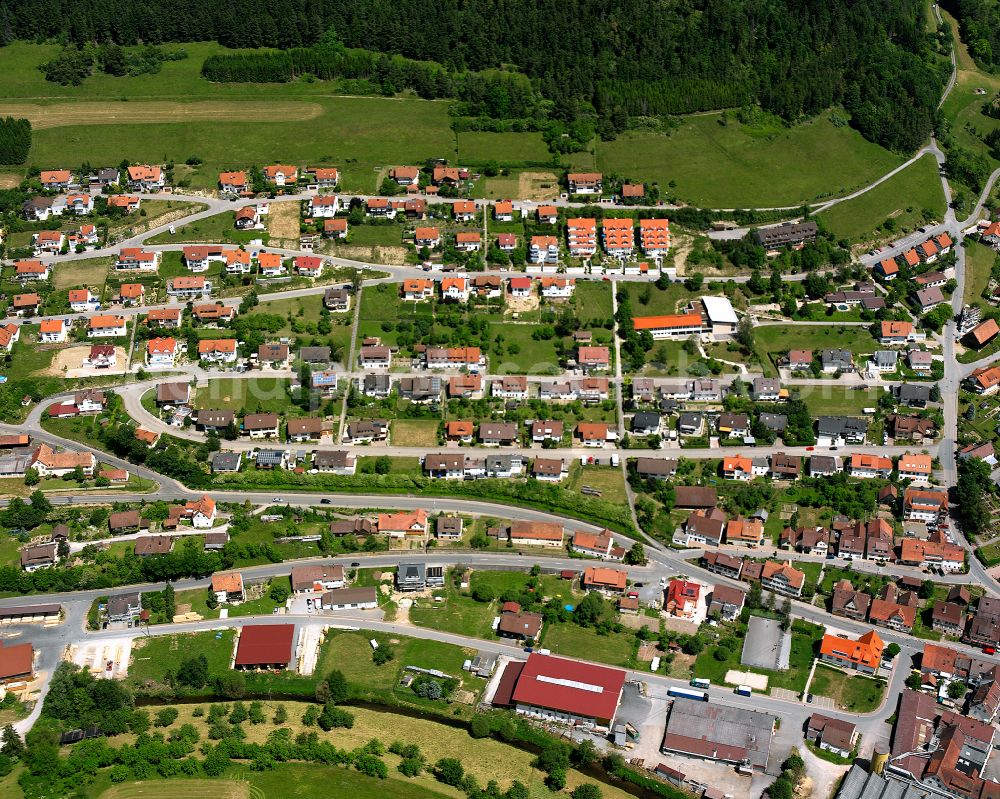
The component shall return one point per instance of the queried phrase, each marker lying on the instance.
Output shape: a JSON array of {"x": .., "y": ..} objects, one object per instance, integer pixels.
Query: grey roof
[
  {"x": 914, "y": 392},
  {"x": 861, "y": 784},
  {"x": 645, "y": 420},
  {"x": 840, "y": 425},
  {"x": 766, "y": 645},
  {"x": 411, "y": 572},
  {"x": 315, "y": 354},
  {"x": 885, "y": 357},
  {"x": 226, "y": 461},
  {"x": 836, "y": 357},
  {"x": 336, "y": 459},
  {"x": 377, "y": 382},
  {"x": 719, "y": 731},
  {"x": 689, "y": 420},
  {"x": 270, "y": 457},
  {"x": 774, "y": 421},
  {"x": 822, "y": 463}
]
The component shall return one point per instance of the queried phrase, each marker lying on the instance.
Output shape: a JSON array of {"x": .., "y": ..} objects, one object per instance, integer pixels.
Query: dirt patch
[
  {"x": 283, "y": 222},
  {"x": 10, "y": 180},
  {"x": 537, "y": 186},
  {"x": 519, "y": 305},
  {"x": 376, "y": 255},
  {"x": 59, "y": 115},
  {"x": 180, "y": 789},
  {"x": 682, "y": 246},
  {"x": 637, "y": 622},
  {"x": 756, "y": 681},
  {"x": 69, "y": 363},
  {"x": 137, "y": 225}
]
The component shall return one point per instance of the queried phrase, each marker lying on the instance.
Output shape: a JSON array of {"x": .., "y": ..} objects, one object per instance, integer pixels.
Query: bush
[
  {"x": 333, "y": 716},
  {"x": 555, "y": 780},
  {"x": 382, "y": 655},
  {"x": 166, "y": 717},
  {"x": 586, "y": 791},
  {"x": 449, "y": 771}
]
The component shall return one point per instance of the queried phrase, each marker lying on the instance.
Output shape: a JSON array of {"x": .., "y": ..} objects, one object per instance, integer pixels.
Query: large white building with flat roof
[{"x": 721, "y": 317}]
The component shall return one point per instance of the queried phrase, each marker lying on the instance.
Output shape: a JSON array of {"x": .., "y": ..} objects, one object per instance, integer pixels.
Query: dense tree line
[
  {"x": 589, "y": 58},
  {"x": 979, "y": 22},
  {"x": 15, "y": 140}
]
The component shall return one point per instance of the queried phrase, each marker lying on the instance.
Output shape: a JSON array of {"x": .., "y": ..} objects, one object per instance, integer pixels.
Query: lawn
[
  {"x": 551, "y": 585},
  {"x": 359, "y": 134},
  {"x": 776, "y": 340},
  {"x": 375, "y": 235},
  {"x": 718, "y": 162},
  {"x": 979, "y": 260},
  {"x": 805, "y": 638},
  {"x": 380, "y": 303},
  {"x": 255, "y": 394},
  {"x": 903, "y": 198},
  {"x": 532, "y": 356},
  {"x": 649, "y": 300},
  {"x": 414, "y": 433},
  {"x": 218, "y": 228},
  {"x": 351, "y": 653},
  {"x": 153, "y": 657},
  {"x": 303, "y": 309},
  {"x": 505, "y": 148},
  {"x": 823, "y": 400},
  {"x": 592, "y": 301},
  {"x": 458, "y": 614},
  {"x": 197, "y": 599},
  {"x": 851, "y": 692},
  {"x": 90, "y": 272},
  {"x": 609, "y": 480},
  {"x": 572, "y": 640}
]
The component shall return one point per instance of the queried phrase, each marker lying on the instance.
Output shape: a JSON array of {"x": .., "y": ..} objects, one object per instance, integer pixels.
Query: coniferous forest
[{"x": 608, "y": 60}]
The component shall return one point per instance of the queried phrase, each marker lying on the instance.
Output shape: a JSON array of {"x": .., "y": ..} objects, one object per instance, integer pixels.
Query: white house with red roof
[
  {"x": 143, "y": 177},
  {"x": 161, "y": 351},
  {"x": 52, "y": 331},
  {"x": 48, "y": 242},
  {"x": 81, "y": 300}
]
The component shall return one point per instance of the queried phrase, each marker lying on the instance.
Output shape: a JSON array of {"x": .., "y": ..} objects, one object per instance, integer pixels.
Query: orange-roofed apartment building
[
  {"x": 928, "y": 554},
  {"x": 782, "y": 578},
  {"x": 455, "y": 289},
  {"x": 581, "y": 237},
  {"x": 537, "y": 534},
  {"x": 619, "y": 237},
  {"x": 670, "y": 325},
  {"x": 52, "y": 331},
  {"x": 870, "y": 466},
  {"x": 863, "y": 655},
  {"x": 543, "y": 250},
  {"x": 143, "y": 177},
  {"x": 654, "y": 237},
  {"x": 161, "y": 352},
  {"x": 916, "y": 467},
  {"x": 233, "y": 182}
]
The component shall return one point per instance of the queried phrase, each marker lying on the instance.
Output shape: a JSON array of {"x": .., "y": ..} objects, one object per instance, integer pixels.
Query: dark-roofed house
[
  {"x": 357, "y": 526},
  {"x": 147, "y": 545},
  {"x": 39, "y": 556},
  {"x": 948, "y": 618},
  {"x": 127, "y": 521},
  {"x": 449, "y": 528},
  {"x": 173, "y": 393},
  {"x": 520, "y": 625},
  {"x": 265, "y": 646},
  {"x": 364, "y": 598},
  {"x": 727, "y": 602},
  {"x": 334, "y": 461},
  {"x": 226, "y": 461},
  {"x": 721, "y": 563},
  {"x": 849, "y": 602},
  {"x": 315, "y": 354},
  {"x": 655, "y": 468},
  {"x": 307, "y": 579},
  {"x": 831, "y": 735},
  {"x": 695, "y": 497},
  {"x": 304, "y": 429},
  {"x": 124, "y": 607}
]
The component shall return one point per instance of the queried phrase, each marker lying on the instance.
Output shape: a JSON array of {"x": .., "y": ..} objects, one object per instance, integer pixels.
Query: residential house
[
  {"x": 261, "y": 425},
  {"x": 863, "y": 655}
]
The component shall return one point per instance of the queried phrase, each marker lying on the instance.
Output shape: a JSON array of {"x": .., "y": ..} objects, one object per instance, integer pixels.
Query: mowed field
[
  {"x": 903, "y": 198},
  {"x": 732, "y": 166}
]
